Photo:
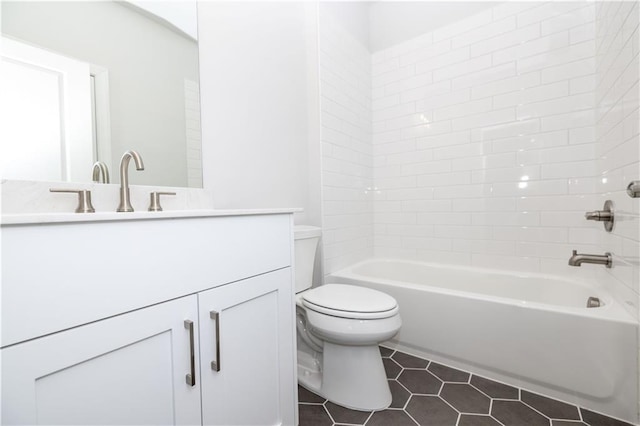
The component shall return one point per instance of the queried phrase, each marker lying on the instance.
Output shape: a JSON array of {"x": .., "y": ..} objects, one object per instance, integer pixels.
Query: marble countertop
[{"x": 41, "y": 218}]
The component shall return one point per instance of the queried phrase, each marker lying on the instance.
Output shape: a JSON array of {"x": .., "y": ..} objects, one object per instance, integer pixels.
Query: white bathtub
[{"x": 530, "y": 330}]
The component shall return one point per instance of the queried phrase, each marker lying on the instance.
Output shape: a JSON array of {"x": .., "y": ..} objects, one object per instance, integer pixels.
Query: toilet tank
[{"x": 305, "y": 244}]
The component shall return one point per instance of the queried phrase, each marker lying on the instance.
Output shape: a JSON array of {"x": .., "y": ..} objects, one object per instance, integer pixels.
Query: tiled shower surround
[
  {"x": 482, "y": 146},
  {"x": 617, "y": 132},
  {"x": 429, "y": 394},
  {"x": 617, "y": 96},
  {"x": 483, "y": 139},
  {"x": 345, "y": 81}
]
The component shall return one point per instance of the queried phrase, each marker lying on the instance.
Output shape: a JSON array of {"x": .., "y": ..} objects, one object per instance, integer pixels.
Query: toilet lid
[{"x": 348, "y": 301}]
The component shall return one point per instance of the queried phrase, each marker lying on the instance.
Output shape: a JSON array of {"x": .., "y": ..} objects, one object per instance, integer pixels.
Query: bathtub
[{"x": 532, "y": 331}]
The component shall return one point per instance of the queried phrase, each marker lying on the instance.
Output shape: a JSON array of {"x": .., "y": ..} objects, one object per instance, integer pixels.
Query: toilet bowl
[{"x": 339, "y": 328}]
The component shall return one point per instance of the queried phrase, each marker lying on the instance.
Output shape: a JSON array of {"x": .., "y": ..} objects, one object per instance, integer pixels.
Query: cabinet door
[
  {"x": 126, "y": 370},
  {"x": 247, "y": 352}
]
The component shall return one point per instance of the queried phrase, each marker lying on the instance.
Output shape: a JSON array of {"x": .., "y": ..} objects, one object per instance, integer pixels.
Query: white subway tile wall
[
  {"x": 347, "y": 154},
  {"x": 484, "y": 140},
  {"x": 618, "y": 141},
  {"x": 194, "y": 134}
]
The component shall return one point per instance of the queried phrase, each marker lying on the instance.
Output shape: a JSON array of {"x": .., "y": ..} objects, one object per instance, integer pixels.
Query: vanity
[{"x": 148, "y": 318}]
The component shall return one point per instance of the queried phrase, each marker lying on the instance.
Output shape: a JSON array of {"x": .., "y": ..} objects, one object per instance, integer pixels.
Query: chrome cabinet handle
[
  {"x": 215, "y": 365},
  {"x": 191, "y": 377}
]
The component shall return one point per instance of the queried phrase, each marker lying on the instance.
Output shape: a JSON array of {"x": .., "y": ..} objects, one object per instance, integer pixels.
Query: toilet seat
[{"x": 348, "y": 301}]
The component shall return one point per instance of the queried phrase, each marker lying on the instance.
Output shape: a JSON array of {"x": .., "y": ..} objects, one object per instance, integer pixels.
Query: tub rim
[{"x": 612, "y": 310}]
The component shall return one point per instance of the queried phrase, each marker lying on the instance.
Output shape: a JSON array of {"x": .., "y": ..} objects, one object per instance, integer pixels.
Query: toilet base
[
  {"x": 309, "y": 372},
  {"x": 356, "y": 377}
]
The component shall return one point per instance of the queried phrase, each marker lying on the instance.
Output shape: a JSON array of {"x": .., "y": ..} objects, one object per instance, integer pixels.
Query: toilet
[{"x": 339, "y": 328}]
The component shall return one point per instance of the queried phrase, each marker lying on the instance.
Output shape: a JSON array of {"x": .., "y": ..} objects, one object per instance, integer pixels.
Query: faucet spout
[
  {"x": 125, "y": 199},
  {"x": 99, "y": 171},
  {"x": 577, "y": 259}
]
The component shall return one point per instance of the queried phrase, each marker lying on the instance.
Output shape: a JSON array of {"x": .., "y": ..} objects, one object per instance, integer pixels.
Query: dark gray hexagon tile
[
  {"x": 409, "y": 361},
  {"x": 305, "y": 395},
  {"x": 385, "y": 352},
  {"x": 515, "y": 413},
  {"x": 344, "y": 415},
  {"x": 465, "y": 398},
  {"x": 420, "y": 381},
  {"x": 434, "y": 394},
  {"x": 431, "y": 411},
  {"x": 399, "y": 395},
  {"x": 477, "y": 420},
  {"x": 495, "y": 389},
  {"x": 388, "y": 418},
  {"x": 550, "y": 407},
  {"x": 391, "y": 368},
  {"x": 313, "y": 415},
  {"x": 595, "y": 419},
  {"x": 448, "y": 374}
]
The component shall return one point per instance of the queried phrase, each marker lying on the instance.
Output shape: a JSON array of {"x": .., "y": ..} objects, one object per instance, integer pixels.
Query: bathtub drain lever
[{"x": 593, "y": 302}]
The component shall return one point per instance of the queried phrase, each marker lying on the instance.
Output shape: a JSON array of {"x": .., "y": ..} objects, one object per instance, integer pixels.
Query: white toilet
[{"x": 339, "y": 328}]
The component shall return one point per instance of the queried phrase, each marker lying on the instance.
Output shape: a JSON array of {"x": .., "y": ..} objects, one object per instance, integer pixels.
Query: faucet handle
[
  {"x": 154, "y": 205},
  {"x": 84, "y": 199}
]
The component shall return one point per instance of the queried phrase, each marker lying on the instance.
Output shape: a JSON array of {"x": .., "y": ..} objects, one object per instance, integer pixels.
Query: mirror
[{"x": 87, "y": 81}]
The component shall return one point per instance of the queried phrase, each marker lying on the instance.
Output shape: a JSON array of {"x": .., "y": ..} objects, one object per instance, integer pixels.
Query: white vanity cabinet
[
  {"x": 242, "y": 337},
  {"x": 125, "y": 370},
  {"x": 214, "y": 289}
]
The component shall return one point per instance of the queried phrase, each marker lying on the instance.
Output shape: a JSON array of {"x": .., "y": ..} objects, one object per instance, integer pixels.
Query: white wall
[
  {"x": 484, "y": 140},
  {"x": 258, "y": 63},
  {"x": 181, "y": 15},
  {"x": 347, "y": 172},
  {"x": 392, "y": 22},
  {"x": 349, "y": 16},
  {"x": 147, "y": 63}
]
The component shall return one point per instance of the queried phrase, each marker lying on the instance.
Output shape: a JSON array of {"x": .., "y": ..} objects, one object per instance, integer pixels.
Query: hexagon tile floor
[{"x": 426, "y": 393}]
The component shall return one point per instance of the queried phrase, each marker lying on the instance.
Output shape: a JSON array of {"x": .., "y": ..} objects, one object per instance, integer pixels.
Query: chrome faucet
[
  {"x": 100, "y": 170},
  {"x": 125, "y": 200},
  {"x": 579, "y": 259}
]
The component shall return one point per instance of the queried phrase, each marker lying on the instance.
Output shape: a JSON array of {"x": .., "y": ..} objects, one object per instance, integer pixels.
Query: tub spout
[{"x": 577, "y": 259}]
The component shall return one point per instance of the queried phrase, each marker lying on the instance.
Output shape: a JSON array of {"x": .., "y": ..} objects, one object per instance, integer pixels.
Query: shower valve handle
[
  {"x": 605, "y": 215},
  {"x": 599, "y": 215}
]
